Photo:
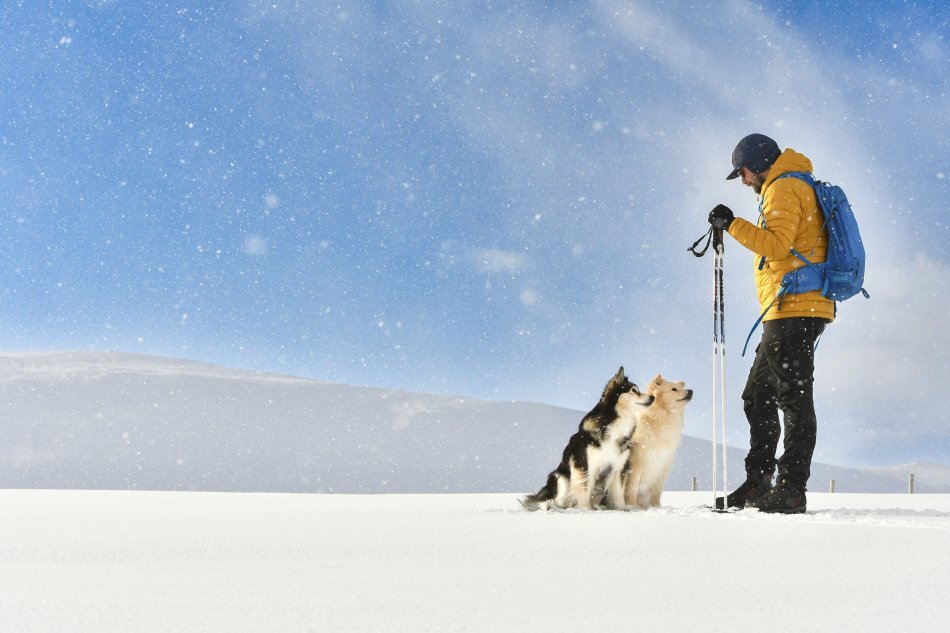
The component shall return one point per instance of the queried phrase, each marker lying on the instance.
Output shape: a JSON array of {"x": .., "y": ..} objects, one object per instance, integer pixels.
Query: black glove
[{"x": 721, "y": 217}]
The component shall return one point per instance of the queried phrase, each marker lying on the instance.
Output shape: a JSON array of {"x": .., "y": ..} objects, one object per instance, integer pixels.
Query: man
[{"x": 782, "y": 374}]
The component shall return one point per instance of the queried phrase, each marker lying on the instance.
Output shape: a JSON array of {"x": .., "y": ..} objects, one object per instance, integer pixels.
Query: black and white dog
[{"x": 597, "y": 456}]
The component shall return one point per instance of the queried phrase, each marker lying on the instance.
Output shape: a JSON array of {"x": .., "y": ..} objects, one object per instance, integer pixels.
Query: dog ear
[
  {"x": 613, "y": 384},
  {"x": 658, "y": 380},
  {"x": 619, "y": 378}
]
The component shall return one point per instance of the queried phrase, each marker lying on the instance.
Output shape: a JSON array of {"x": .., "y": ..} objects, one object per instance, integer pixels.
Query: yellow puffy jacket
[{"x": 790, "y": 219}]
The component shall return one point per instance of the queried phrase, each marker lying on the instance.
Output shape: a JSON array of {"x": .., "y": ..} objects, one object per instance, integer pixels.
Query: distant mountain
[{"x": 127, "y": 421}]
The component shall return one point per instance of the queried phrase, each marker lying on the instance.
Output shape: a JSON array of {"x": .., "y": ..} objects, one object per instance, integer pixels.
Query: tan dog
[{"x": 654, "y": 443}]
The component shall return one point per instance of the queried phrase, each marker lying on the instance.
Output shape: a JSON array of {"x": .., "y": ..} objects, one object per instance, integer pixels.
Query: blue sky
[{"x": 490, "y": 199}]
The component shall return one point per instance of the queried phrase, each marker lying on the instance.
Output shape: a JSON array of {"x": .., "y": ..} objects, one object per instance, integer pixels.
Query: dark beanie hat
[{"x": 756, "y": 151}]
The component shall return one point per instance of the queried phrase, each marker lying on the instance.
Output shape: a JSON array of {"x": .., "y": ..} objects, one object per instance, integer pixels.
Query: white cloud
[
  {"x": 495, "y": 261},
  {"x": 529, "y": 297},
  {"x": 885, "y": 360},
  {"x": 256, "y": 245}
]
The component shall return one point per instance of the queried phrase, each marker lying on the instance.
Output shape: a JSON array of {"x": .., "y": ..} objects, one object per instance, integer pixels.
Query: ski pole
[
  {"x": 714, "y": 237},
  {"x": 719, "y": 248},
  {"x": 715, "y": 368}
]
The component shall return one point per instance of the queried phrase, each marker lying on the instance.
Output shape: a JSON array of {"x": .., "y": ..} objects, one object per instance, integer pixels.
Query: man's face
[{"x": 752, "y": 179}]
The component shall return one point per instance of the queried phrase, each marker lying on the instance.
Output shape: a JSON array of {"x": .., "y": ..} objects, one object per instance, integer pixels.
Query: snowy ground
[{"x": 176, "y": 561}]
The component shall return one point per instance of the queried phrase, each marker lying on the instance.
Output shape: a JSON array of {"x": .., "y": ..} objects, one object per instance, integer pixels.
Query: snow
[
  {"x": 115, "y": 421},
  {"x": 183, "y": 561},
  {"x": 253, "y": 557}
]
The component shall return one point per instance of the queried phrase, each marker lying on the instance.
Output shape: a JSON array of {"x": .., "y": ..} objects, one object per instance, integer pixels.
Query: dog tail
[{"x": 533, "y": 502}]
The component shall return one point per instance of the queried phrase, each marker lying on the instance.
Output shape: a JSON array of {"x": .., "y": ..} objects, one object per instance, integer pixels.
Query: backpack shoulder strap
[
  {"x": 801, "y": 175},
  {"x": 808, "y": 178}
]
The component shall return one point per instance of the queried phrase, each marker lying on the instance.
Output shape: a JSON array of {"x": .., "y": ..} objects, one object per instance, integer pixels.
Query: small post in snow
[
  {"x": 910, "y": 484},
  {"x": 695, "y": 484},
  {"x": 831, "y": 487}
]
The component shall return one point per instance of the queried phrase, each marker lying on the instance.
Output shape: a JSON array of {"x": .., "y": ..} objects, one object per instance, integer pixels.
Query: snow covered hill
[{"x": 126, "y": 421}]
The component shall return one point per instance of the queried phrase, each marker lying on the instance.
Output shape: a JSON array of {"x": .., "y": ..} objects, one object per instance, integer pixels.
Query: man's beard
[{"x": 757, "y": 181}]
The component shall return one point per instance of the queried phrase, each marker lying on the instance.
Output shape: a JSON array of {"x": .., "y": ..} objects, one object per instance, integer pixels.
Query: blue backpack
[{"x": 841, "y": 275}]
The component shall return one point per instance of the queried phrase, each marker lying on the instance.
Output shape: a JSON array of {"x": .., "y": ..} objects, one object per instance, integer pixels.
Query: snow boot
[
  {"x": 783, "y": 499},
  {"x": 752, "y": 488}
]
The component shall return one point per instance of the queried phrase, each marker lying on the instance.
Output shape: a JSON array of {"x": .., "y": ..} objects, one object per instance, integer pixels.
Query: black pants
[{"x": 782, "y": 378}]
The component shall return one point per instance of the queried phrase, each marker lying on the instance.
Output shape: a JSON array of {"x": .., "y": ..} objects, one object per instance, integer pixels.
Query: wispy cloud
[{"x": 495, "y": 261}]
